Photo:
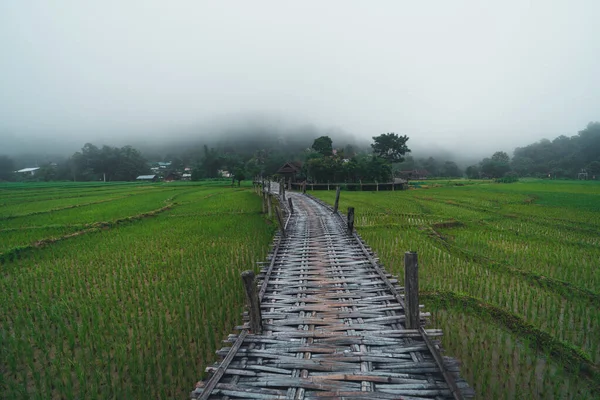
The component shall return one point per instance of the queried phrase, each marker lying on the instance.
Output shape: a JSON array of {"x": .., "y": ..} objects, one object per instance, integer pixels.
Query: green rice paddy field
[
  {"x": 126, "y": 290},
  {"x": 510, "y": 272},
  {"x": 134, "y": 297}
]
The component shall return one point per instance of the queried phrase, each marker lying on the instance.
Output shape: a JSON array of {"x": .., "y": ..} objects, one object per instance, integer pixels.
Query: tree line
[
  {"x": 563, "y": 157},
  {"x": 386, "y": 157}
]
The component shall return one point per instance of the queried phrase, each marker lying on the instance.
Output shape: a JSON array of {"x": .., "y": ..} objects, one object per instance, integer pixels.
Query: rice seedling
[
  {"x": 530, "y": 249},
  {"x": 133, "y": 310}
]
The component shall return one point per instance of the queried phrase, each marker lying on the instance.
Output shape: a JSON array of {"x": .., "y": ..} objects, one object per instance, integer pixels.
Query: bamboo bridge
[{"x": 328, "y": 322}]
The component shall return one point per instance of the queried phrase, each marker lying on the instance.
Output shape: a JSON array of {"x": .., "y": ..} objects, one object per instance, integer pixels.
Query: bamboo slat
[{"x": 333, "y": 323}]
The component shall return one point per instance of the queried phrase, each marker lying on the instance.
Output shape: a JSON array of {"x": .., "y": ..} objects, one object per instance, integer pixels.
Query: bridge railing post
[
  {"x": 280, "y": 221},
  {"x": 252, "y": 300},
  {"x": 411, "y": 290},
  {"x": 269, "y": 204},
  {"x": 337, "y": 200},
  {"x": 282, "y": 188},
  {"x": 350, "y": 220},
  {"x": 291, "y": 205}
]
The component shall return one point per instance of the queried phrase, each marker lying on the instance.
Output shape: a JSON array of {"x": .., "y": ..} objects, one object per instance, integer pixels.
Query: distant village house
[
  {"x": 414, "y": 174},
  {"x": 147, "y": 178},
  {"x": 28, "y": 171},
  {"x": 172, "y": 176}
]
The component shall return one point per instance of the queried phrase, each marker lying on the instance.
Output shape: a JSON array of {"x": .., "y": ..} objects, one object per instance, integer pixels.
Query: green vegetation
[
  {"x": 509, "y": 272},
  {"x": 125, "y": 290},
  {"x": 120, "y": 291}
]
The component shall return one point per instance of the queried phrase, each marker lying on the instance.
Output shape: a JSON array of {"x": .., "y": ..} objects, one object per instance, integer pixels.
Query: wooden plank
[{"x": 214, "y": 380}]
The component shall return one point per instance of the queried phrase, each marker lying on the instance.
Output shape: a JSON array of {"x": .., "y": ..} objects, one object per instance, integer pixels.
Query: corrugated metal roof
[{"x": 143, "y": 177}]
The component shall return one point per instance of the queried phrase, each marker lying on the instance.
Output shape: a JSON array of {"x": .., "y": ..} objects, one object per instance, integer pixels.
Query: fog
[{"x": 467, "y": 77}]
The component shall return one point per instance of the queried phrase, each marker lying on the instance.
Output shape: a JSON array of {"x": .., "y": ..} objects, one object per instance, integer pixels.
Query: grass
[
  {"x": 527, "y": 251},
  {"x": 125, "y": 290},
  {"x": 136, "y": 304}
]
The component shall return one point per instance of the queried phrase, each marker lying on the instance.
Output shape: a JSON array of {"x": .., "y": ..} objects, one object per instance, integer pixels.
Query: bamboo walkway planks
[{"x": 333, "y": 325}]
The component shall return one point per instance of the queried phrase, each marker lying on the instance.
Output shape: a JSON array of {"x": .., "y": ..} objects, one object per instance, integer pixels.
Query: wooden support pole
[
  {"x": 252, "y": 301},
  {"x": 282, "y": 188},
  {"x": 377, "y": 186},
  {"x": 269, "y": 205},
  {"x": 291, "y": 205},
  {"x": 328, "y": 186},
  {"x": 411, "y": 290},
  {"x": 337, "y": 200},
  {"x": 304, "y": 187},
  {"x": 263, "y": 197},
  {"x": 280, "y": 221},
  {"x": 350, "y": 220},
  {"x": 290, "y": 183}
]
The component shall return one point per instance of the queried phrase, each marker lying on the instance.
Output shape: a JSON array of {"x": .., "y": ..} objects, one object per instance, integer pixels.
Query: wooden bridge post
[
  {"x": 337, "y": 200},
  {"x": 304, "y": 187},
  {"x": 291, "y": 205},
  {"x": 350, "y": 220},
  {"x": 252, "y": 301},
  {"x": 280, "y": 221},
  {"x": 269, "y": 205},
  {"x": 263, "y": 197},
  {"x": 282, "y": 188},
  {"x": 411, "y": 290},
  {"x": 290, "y": 183}
]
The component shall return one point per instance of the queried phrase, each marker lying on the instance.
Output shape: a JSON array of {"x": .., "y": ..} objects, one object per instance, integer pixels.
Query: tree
[
  {"x": 110, "y": 163},
  {"x": 239, "y": 174},
  {"x": 130, "y": 164},
  {"x": 593, "y": 169},
  {"x": 501, "y": 157},
  {"x": 47, "y": 172},
  {"x": 432, "y": 166},
  {"x": 349, "y": 151},
  {"x": 390, "y": 146},
  {"x": 7, "y": 167},
  {"x": 493, "y": 168},
  {"x": 472, "y": 172},
  {"x": 451, "y": 170},
  {"x": 211, "y": 163},
  {"x": 323, "y": 145},
  {"x": 589, "y": 142}
]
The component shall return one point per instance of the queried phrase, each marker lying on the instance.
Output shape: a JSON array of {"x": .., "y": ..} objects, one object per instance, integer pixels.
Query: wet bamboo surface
[{"x": 333, "y": 324}]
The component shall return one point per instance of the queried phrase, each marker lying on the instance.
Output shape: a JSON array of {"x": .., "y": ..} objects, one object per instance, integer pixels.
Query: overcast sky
[{"x": 489, "y": 75}]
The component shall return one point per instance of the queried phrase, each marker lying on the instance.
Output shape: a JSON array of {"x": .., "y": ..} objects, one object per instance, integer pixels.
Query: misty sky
[{"x": 491, "y": 76}]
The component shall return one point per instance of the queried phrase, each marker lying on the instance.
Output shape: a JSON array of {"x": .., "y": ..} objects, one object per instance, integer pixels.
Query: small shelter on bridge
[{"x": 291, "y": 169}]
